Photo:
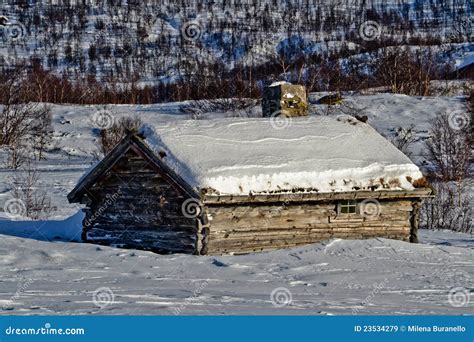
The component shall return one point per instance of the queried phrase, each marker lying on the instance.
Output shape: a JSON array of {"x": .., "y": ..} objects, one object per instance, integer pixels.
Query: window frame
[{"x": 347, "y": 204}]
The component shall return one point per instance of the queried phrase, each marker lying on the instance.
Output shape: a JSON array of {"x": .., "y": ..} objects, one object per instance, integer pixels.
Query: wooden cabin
[{"x": 238, "y": 186}]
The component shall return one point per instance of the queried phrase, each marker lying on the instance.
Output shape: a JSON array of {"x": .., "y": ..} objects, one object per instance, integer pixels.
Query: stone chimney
[{"x": 283, "y": 98}]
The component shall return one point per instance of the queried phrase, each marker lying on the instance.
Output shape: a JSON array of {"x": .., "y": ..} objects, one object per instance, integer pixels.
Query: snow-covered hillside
[
  {"x": 161, "y": 40},
  {"x": 376, "y": 276}
]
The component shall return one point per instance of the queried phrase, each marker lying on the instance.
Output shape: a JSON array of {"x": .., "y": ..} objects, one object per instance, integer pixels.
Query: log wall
[
  {"x": 256, "y": 227},
  {"x": 133, "y": 206}
]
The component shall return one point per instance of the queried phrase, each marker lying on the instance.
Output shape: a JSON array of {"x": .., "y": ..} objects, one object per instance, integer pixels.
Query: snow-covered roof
[
  {"x": 316, "y": 153},
  {"x": 279, "y": 83}
]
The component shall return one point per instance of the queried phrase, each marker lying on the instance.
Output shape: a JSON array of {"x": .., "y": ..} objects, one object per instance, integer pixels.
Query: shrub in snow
[
  {"x": 109, "y": 137},
  {"x": 450, "y": 153},
  {"x": 34, "y": 201},
  {"x": 24, "y": 126},
  {"x": 16, "y": 156},
  {"x": 450, "y": 209},
  {"x": 404, "y": 138},
  {"x": 449, "y": 148},
  {"x": 404, "y": 70}
]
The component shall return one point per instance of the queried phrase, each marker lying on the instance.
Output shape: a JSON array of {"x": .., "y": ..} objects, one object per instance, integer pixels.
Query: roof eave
[{"x": 418, "y": 193}]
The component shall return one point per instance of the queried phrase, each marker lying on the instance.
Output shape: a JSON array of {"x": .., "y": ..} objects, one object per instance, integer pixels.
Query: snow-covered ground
[{"x": 376, "y": 276}]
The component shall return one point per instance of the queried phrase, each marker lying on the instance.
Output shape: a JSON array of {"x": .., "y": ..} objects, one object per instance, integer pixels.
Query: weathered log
[
  {"x": 414, "y": 221},
  {"x": 210, "y": 199}
]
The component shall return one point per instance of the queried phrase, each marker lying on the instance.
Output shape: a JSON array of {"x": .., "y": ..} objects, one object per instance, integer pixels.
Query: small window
[{"x": 347, "y": 207}]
